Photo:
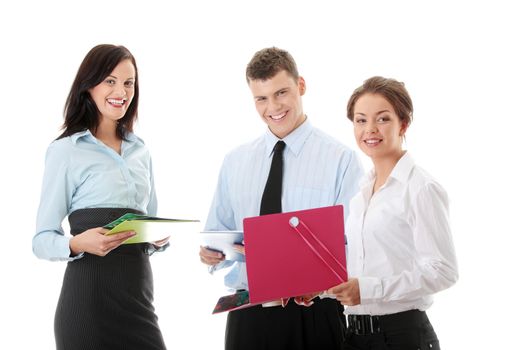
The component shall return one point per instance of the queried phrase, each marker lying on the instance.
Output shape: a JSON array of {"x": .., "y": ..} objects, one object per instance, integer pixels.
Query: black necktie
[{"x": 271, "y": 198}]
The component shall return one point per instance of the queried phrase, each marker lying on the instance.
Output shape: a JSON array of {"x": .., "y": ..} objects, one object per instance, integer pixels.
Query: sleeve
[
  {"x": 49, "y": 242},
  {"x": 348, "y": 179},
  {"x": 152, "y": 211},
  {"x": 152, "y": 204},
  {"x": 221, "y": 216},
  {"x": 435, "y": 268}
]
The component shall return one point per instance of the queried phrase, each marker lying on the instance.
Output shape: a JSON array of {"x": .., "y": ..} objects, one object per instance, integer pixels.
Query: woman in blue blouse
[{"x": 96, "y": 171}]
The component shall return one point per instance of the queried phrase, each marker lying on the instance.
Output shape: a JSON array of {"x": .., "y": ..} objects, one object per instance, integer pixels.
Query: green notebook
[{"x": 149, "y": 228}]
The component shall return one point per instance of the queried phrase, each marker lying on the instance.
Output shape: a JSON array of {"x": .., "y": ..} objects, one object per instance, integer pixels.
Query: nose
[
  {"x": 371, "y": 128},
  {"x": 120, "y": 90},
  {"x": 274, "y": 106}
]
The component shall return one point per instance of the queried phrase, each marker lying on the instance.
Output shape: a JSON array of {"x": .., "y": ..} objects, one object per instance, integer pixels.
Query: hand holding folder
[
  {"x": 224, "y": 242},
  {"x": 149, "y": 228}
]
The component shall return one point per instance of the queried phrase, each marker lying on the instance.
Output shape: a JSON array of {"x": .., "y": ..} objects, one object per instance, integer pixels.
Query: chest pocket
[{"x": 299, "y": 198}]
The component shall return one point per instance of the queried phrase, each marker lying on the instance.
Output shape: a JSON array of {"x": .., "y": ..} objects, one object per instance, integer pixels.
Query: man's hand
[
  {"x": 210, "y": 257},
  {"x": 239, "y": 248}
]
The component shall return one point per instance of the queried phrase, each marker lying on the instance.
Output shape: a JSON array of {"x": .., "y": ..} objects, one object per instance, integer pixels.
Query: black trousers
[
  {"x": 318, "y": 327},
  {"x": 410, "y": 330}
]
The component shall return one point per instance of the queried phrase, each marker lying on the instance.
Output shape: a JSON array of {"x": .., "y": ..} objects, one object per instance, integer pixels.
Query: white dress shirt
[
  {"x": 318, "y": 171},
  {"x": 400, "y": 245}
]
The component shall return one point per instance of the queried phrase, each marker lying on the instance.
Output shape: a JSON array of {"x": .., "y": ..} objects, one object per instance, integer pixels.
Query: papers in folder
[
  {"x": 149, "y": 228},
  {"x": 291, "y": 254}
]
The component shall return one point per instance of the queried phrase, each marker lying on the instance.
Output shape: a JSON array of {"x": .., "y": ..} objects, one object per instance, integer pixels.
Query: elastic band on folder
[{"x": 295, "y": 222}]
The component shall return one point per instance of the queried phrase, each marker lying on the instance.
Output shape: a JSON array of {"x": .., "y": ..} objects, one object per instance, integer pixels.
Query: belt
[{"x": 369, "y": 324}]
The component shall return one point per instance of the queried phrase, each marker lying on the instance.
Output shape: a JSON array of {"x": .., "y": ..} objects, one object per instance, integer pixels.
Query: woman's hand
[
  {"x": 306, "y": 300},
  {"x": 347, "y": 293},
  {"x": 161, "y": 243},
  {"x": 95, "y": 242}
]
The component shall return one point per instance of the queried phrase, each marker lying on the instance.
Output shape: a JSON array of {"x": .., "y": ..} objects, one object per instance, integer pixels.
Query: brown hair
[
  {"x": 266, "y": 63},
  {"x": 81, "y": 112},
  {"x": 392, "y": 90}
]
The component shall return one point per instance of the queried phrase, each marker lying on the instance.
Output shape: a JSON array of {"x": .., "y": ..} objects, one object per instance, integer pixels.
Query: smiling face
[
  {"x": 377, "y": 128},
  {"x": 115, "y": 93},
  {"x": 278, "y": 102}
]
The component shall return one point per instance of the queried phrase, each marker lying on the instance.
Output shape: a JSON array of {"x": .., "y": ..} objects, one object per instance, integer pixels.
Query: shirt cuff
[
  {"x": 67, "y": 250},
  {"x": 324, "y": 295},
  {"x": 221, "y": 265},
  {"x": 370, "y": 289}
]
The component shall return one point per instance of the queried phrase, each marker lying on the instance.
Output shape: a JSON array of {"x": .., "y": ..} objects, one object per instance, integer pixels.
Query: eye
[
  {"x": 129, "y": 84},
  {"x": 281, "y": 93},
  {"x": 260, "y": 99},
  {"x": 383, "y": 119},
  {"x": 359, "y": 120},
  {"x": 110, "y": 81}
]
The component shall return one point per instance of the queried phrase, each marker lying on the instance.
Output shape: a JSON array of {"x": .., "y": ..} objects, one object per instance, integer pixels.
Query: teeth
[
  {"x": 277, "y": 117},
  {"x": 116, "y": 102},
  {"x": 372, "y": 141}
]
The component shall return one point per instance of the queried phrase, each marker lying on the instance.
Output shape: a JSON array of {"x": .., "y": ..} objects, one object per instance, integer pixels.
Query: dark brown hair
[
  {"x": 392, "y": 90},
  {"x": 81, "y": 112},
  {"x": 266, "y": 63}
]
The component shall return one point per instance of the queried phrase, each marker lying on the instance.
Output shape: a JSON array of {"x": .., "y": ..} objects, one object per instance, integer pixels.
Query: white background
[{"x": 462, "y": 62}]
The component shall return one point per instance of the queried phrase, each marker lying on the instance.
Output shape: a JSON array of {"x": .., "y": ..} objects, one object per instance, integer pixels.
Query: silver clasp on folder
[{"x": 294, "y": 221}]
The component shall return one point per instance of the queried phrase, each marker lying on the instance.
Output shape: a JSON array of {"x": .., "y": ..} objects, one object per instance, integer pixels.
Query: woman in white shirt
[{"x": 400, "y": 246}]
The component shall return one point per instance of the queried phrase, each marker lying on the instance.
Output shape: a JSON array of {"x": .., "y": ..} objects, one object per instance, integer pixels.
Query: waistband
[
  {"x": 83, "y": 219},
  {"x": 369, "y": 324}
]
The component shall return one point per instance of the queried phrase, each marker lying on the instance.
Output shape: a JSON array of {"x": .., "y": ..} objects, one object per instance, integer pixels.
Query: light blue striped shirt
[
  {"x": 82, "y": 172},
  {"x": 318, "y": 171}
]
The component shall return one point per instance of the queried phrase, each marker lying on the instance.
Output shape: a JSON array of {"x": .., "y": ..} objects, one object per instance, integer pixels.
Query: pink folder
[{"x": 294, "y": 253}]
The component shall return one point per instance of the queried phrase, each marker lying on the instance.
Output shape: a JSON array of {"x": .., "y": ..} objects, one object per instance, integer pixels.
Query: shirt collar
[
  {"x": 294, "y": 141},
  {"x": 401, "y": 171},
  {"x": 131, "y": 138},
  {"x": 86, "y": 134}
]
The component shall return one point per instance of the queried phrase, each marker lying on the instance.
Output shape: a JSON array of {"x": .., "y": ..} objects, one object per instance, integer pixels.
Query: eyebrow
[
  {"x": 382, "y": 111},
  {"x": 114, "y": 77}
]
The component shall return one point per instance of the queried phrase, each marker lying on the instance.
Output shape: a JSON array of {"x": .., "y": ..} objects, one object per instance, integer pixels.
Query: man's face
[{"x": 278, "y": 102}]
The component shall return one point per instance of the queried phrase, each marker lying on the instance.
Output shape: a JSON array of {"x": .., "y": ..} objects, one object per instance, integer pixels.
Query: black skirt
[{"x": 106, "y": 302}]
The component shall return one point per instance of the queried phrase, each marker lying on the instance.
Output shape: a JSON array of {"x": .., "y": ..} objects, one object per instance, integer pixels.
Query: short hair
[
  {"x": 81, "y": 112},
  {"x": 392, "y": 90},
  {"x": 266, "y": 63}
]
